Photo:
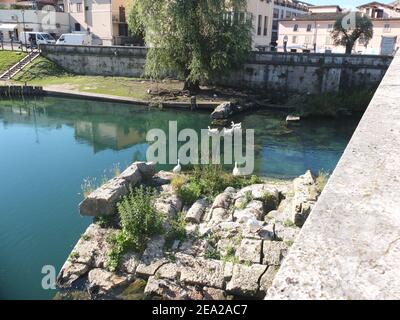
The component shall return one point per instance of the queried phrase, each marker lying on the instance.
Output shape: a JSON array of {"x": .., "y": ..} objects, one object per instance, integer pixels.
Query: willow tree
[
  {"x": 348, "y": 29},
  {"x": 195, "y": 39}
]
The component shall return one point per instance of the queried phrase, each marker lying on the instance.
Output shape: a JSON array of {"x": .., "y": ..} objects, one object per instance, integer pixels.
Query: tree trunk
[
  {"x": 192, "y": 87},
  {"x": 349, "y": 47}
]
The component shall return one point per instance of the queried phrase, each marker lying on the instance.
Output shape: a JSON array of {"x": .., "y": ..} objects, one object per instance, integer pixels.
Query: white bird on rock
[
  {"x": 254, "y": 225},
  {"x": 212, "y": 131},
  {"x": 177, "y": 168},
  {"x": 236, "y": 171}
]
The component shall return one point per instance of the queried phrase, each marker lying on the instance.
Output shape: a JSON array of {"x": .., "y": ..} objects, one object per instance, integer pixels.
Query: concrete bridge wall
[{"x": 349, "y": 248}]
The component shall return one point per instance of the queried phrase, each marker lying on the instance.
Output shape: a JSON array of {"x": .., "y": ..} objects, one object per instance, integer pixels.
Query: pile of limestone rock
[{"x": 233, "y": 248}]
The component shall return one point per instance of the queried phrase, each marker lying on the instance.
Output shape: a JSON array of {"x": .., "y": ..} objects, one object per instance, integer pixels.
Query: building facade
[
  {"x": 286, "y": 9},
  {"x": 261, "y": 12},
  {"x": 13, "y": 22},
  {"x": 311, "y": 32},
  {"x": 106, "y": 20}
]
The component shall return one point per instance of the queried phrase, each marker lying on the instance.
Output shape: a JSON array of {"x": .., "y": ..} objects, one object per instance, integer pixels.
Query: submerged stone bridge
[{"x": 349, "y": 248}]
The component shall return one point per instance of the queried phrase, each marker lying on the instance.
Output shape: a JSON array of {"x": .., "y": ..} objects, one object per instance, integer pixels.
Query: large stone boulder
[
  {"x": 219, "y": 215},
  {"x": 171, "y": 290},
  {"x": 129, "y": 262},
  {"x": 102, "y": 201},
  {"x": 249, "y": 251},
  {"x": 152, "y": 258},
  {"x": 147, "y": 169},
  {"x": 223, "y": 111},
  {"x": 245, "y": 280},
  {"x": 258, "y": 191},
  {"x": 267, "y": 278},
  {"x": 70, "y": 273},
  {"x": 170, "y": 204},
  {"x": 274, "y": 252},
  {"x": 89, "y": 252},
  {"x": 223, "y": 200},
  {"x": 101, "y": 281},
  {"x": 305, "y": 197},
  {"x": 242, "y": 215},
  {"x": 196, "y": 212},
  {"x": 202, "y": 272}
]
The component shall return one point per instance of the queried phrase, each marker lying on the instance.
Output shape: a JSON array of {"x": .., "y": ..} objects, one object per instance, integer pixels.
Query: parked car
[
  {"x": 75, "y": 39},
  {"x": 34, "y": 39}
]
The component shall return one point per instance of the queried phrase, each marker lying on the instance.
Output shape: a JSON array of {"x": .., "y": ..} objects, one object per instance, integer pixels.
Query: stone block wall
[{"x": 271, "y": 71}]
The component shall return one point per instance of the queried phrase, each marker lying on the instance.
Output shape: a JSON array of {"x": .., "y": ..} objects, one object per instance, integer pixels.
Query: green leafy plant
[
  {"x": 73, "y": 256},
  {"x": 269, "y": 201},
  {"x": 230, "y": 255},
  {"x": 105, "y": 221},
  {"x": 139, "y": 220},
  {"x": 178, "y": 229},
  {"x": 248, "y": 197},
  {"x": 139, "y": 217},
  {"x": 178, "y": 181},
  {"x": 190, "y": 192},
  {"x": 85, "y": 237},
  {"x": 212, "y": 253}
]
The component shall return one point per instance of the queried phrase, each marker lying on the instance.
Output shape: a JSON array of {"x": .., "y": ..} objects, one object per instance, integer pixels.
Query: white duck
[
  {"x": 228, "y": 132},
  {"x": 177, "y": 168},
  {"x": 236, "y": 125},
  {"x": 212, "y": 132},
  {"x": 236, "y": 171},
  {"x": 254, "y": 225}
]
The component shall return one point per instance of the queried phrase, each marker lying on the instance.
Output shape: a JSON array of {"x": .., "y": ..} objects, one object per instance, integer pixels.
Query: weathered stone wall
[
  {"x": 349, "y": 248},
  {"x": 98, "y": 60},
  {"x": 271, "y": 71},
  {"x": 309, "y": 73}
]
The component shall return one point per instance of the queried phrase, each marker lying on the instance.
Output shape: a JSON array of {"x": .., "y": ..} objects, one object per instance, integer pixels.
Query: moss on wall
[{"x": 333, "y": 104}]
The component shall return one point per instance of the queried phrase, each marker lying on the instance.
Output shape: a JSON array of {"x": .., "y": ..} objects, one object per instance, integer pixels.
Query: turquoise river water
[{"x": 49, "y": 146}]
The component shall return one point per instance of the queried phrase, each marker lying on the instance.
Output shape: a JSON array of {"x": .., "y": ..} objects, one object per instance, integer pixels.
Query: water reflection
[{"x": 280, "y": 150}]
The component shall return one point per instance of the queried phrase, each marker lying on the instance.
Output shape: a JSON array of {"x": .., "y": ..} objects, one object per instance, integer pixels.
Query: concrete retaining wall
[
  {"x": 314, "y": 73},
  {"x": 271, "y": 71},
  {"x": 349, "y": 248},
  {"x": 98, "y": 60}
]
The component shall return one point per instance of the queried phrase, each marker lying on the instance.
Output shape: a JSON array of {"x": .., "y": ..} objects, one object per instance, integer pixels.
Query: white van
[
  {"x": 75, "y": 39},
  {"x": 35, "y": 38}
]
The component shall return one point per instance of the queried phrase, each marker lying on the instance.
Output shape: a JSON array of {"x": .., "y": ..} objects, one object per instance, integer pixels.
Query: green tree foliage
[
  {"x": 197, "y": 39},
  {"x": 362, "y": 30}
]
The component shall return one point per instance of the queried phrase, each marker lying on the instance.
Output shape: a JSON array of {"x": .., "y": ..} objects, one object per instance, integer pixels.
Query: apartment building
[
  {"x": 13, "y": 22},
  {"x": 105, "y": 19},
  {"x": 261, "y": 12},
  {"x": 33, "y": 4},
  {"x": 311, "y": 32},
  {"x": 286, "y": 9}
]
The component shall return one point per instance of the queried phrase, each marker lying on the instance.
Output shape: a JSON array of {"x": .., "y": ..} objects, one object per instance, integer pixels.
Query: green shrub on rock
[
  {"x": 208, "y": 181},
  {"x": 139, "y": 220},
  {"x": 190, "y": 192},
  {"x": 178, "y": 229}
]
